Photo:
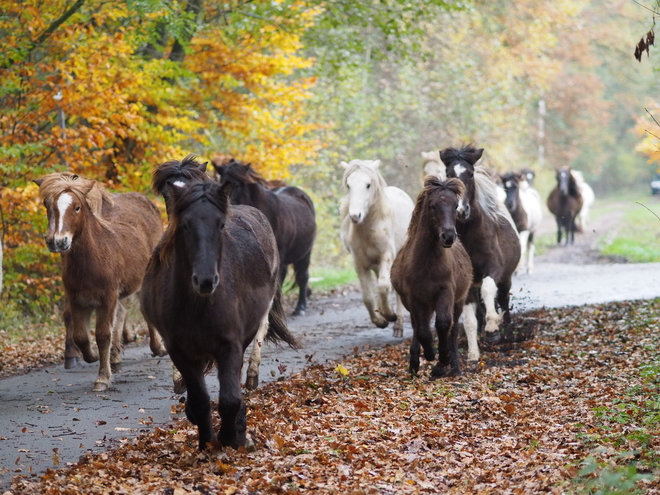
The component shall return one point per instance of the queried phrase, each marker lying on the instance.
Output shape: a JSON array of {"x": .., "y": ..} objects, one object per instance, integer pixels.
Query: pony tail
[{"x": 277, "y": 327}]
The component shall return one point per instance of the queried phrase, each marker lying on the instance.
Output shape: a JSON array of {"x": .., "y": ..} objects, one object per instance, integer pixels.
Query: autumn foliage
[{"x": 88, "y": 96}]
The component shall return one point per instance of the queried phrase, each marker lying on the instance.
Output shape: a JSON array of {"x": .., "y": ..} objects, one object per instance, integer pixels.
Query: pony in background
[
  {"x": 588, "y": 199},
  {"x": 565, "y": 202},
  {"x": 524, "y": 204},
  {"x": 375, "y": 219},
  {"x": 432, "y": 165}
]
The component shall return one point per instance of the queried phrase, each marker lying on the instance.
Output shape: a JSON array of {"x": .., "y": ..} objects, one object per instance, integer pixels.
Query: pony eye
[
  {"x": 77, "y": 208},
  {"x": 368, "y": 186}
]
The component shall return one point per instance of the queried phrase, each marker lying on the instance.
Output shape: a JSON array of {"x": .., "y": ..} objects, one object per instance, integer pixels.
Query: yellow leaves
[{"x": 341, "y": 370}]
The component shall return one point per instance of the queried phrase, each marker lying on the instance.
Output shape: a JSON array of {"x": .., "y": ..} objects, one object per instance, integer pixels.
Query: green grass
[
  {"x": 638, "y": 240},
  {"x": 326, "y": 278}
]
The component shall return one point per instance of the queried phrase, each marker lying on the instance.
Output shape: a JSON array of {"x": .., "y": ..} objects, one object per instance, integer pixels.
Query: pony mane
[
  {"x": 94, "y": 193},
  {"x": 208, "y": 190},
  {"x": 373, "y": 174},
  {"x": 242, "y": 172},
  {"x": 486, "y": 195},
  {"x": 432, "y": 183},
  {"x": 188, "y": 170}
]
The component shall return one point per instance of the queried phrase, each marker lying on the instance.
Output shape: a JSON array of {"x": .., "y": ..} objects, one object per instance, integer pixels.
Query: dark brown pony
[
  {"x": 432, "y": 273},
  {"x": 105, "y": 242},
  {"x": 290, "y": 212},
  {"x": 487, "y": 232},
  {"x": 211, "y": 288},
  {"x": 565, "y": 202}
]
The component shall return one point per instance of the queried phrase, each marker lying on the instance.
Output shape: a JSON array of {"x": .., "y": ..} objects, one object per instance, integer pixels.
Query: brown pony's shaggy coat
[
  {"x": 432, "y": 273},
  {"x": 211, "y": 287},
  {"x": 104, "y": 253},
  {"x": 290, "y": 212}
]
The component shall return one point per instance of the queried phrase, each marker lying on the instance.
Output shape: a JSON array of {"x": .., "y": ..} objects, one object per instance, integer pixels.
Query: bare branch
[{"x": 656, "y": 216}]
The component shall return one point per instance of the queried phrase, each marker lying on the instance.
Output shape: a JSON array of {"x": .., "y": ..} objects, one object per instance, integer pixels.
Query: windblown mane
[
  {"x": 486, "y": 196},
  {"x": 432, "y": 183},
  {"x": 208, "y": 190},
  {"x": 467, "y": 153},
  {"x": 93, "y": 191},
  {"x": 187, "y": 170},
  {"x": 242, "y": 172}
]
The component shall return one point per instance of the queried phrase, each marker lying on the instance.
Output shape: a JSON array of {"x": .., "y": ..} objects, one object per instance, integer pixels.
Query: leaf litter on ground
[{"x": 570, "y": 410}]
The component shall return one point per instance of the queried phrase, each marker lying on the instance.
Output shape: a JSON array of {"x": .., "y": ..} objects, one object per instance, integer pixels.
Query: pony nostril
[
  {"x": 195, "y": 281},
  {"x": 216, "y": 280}
]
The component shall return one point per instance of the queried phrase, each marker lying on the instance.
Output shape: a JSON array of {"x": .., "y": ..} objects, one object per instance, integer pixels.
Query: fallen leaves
[{"x": 524, "y": 420}]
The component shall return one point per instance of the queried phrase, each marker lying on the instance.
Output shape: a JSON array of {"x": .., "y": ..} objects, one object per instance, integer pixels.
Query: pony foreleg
[
  {"x": 252, "y": 380},
  {"x": 230, "y": 402},
  {"x": 488, "y": 295},
  {"x": 71, "y": 352},
  {"x": 105, "y": 316},
  {"x": 470, "y": 325},
  {"x": 444, "y": 323},
  {"x": 524, "y": 239},
  {"x": 366, "y": 284},
  {"x": 80, "y": 328},
  {"x": 420, "y": 319},
  {"x": 530, "y": 255},
  {"x": 398, "y": 324}
]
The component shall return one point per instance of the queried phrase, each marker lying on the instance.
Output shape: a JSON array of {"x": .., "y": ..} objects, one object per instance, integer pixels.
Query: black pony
[
  {"x": 290, "y": 212},
  {"x": 211, "y": 288}
]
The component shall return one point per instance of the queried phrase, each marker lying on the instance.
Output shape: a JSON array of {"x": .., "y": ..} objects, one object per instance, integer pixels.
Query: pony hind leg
[
  {"x": 301, "y": 268},
  {"x": 230, "y": 402},
  {"x": 252, "y": 379},
  {"x": 117, "y": 337},
  {"x": 470, "y": 324},
  {"x": 397, "y": 331}
]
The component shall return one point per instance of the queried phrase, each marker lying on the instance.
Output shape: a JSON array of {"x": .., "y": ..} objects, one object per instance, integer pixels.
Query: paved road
[{"x": 51, "y": 417}]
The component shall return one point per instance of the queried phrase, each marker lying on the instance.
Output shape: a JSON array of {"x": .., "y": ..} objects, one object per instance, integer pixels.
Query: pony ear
[
  {"x": 37, "y": 181},
  {"x": 202, "y": 167},
  {"x": 344, "y": 165},
  {"x": 225, "y": 193},
  {"x": 375, "y": 164},
  {"x": 477, "y": 155}
]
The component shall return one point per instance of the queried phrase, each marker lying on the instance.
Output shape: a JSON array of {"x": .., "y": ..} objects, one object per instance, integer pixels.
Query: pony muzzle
[
  {"x": 356, "y": 217},
  {"x": 205, "y": 285},
  {"x": 447, "y": 238},
  {"x": 463, "y": 211},
  {"x": 58, "y": 243}
]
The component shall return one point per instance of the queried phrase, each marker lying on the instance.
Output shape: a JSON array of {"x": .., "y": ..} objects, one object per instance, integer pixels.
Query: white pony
[
  {"x": 524, "y": 204},
  {"x": 432, "y": 165},
  {"x": 588, "y": 198},
  {"x": 374, "y": 223}
]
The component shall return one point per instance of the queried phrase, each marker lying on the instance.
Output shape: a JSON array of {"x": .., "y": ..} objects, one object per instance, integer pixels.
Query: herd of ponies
[{"x": 209, "y": 284}]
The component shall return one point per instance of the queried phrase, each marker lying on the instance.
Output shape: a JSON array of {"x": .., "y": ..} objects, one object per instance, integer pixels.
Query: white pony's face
[{"x": 361, "y": 188}]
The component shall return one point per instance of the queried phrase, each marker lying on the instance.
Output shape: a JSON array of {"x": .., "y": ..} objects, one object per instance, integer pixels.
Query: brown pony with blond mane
[
  {"x": 105, "y": 242},
  {"x": 433, "y": 274}
]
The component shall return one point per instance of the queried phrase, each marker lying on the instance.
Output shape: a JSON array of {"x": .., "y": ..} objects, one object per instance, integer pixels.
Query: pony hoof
[
  {"x": 101, "y": 387},
  {"x": 492, "y": 338},
  {"x": 380, "y": 322},
  {"x": 70, "y": 363},
  {"x": 298, "y": 312},
  {"x": 115, "y": 367},
  {"x": 159, "y": 352},
  {"x": 397, "y": 333},
  {"x": 443, "y": 371},
  {"x": 252, "y": 382}
]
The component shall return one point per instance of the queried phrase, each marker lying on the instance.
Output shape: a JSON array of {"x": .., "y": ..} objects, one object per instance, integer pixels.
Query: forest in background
[{"x": 111, "y": 89}]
